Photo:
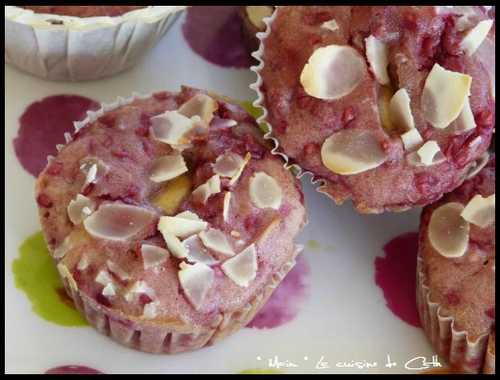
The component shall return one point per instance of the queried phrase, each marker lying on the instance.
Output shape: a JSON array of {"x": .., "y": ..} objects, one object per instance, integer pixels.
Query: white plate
[{"x": 344, "y": 319}]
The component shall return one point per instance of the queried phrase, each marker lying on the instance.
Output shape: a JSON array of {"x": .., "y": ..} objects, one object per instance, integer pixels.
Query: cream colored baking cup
[
  {"x": 171, "y": 338},
  {"x": 452, "y": 345},
  {"x": 82, "y": 48}
]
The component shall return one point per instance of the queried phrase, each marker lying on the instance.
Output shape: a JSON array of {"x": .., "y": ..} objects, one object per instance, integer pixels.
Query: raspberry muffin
[
  {"x": 388, "y": 106},
  {"x": 456, "y": 273},
  {"x": 76, "y": 43},
  {"x": 170, "y": 221}
]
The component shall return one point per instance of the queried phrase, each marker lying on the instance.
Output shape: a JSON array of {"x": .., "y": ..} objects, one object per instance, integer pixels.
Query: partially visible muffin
[
  {"x": 456, "y": 272},
  {"x": 84, "y": 10}
]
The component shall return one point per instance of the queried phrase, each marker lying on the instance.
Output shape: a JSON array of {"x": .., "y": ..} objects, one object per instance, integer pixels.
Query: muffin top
[
  {"x": 170, "y": 208},
  {"x": 83, "y": 10},
  {"x": 457, "y": 248},
  {"x": 373, "y": 99}
]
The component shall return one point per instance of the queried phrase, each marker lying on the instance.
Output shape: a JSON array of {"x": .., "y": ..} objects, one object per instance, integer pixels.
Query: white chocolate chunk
[
  {"x": 400, "y": 111},
  {"x": 139, "y": 287},
  {"x": 65, "y": 273},
  {"x": 109, "y": 290},
  {"x": 197, "y": 253},
  {"x": 264, "y": 191},
  {"x": 228, "y": 164},
  {"x": 465, "y": 120},
  {"x": 114, "y": 268},
  {"x": 377, "y": 55},
  {"x": 168, "y": 167},
  {"x": 427, "y": 152},
  {"x": 118, "y": 221},
  {"x": 209, "y": 188},
  {"x": 216, "y": 240},
  {"x": 200, "y": 105},
  {"x": 79, "y": 208},
  {"x": 333, "y": 72},
  {"x": 242, "y": 268},
  {"x": 171, "y": 127},
  {"x": 351, "y": 151},
  {"x": 411, "y": 139},
  {"x": 226, "y": 205},
  {"x": 448, "y": 231},
  {"x": 480, "y": 211},
  {"x": 103, "y": 277},
  {"x": 153, "y": 256},
  {"x": 150, "y": 310},
  {"x": 475, "y": 37},
  {"x": 235, "y": 177},
  {"x": 182, "y": 225},
  {"x": 256, "y": 14},
  {"x": 196, "y": 280},
  {"x": 444, "y": 95},
  {"x": 330, "y": 25}
]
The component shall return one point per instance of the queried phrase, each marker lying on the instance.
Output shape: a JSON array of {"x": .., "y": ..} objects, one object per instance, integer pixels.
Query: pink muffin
[
  {"x": 456, "y": 273},
  {"x": 389, "y": 106},
  {"x": 170, "y": 221},
  {"x": 84, "y": 10}
]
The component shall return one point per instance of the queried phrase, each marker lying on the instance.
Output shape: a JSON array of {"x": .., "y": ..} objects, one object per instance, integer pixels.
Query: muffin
[
  {"x": 456, "y": 273},
  {"x": 387, "y": 106},
  {"x": 251, "y": 23},
  {"x": 170, "y": 221},
  {"x": 82, "y": 42}
]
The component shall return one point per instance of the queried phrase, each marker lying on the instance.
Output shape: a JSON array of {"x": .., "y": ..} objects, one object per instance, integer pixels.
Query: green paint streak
[
  {"x": 260, "y": 371},
  {"x": 36, "y": 275},
  {"x": 313, "y": 245}
]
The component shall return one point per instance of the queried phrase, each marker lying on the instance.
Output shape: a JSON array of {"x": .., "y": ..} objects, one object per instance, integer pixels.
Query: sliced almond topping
[
  {"x": 465, "y": 120},
  {"x": 118, "y": 221},
  {"x": 153, "y": 256},
  {"x": 182, "y": 225},
  {"x": 203, "y": 192},
  {"x": 330, "y": 25},
  {"x": 94, "y": 169},
  {"x": 351, "y": 151},
  {"x": 79, "y": 208},
  {"x": 197, "y": 253},
  {"x": 62, "y": 248},
  {"x": 264, "y": 191},
  {"x": 448, "y": 231},
  {"x": 174, "y": 245},
  {"x": 139, "y": 287},
  {"x": 226, "y": 205},
  {"x": 475, "y": 37},
  {"x": 150, "y": 310},
  {"x": 200, "y": 105},
  {"x": 103, "y": 277},
  {"x": 444, "y": 96},
  {"x": 332, "y": 72},
  {"x": 168, "y": 167},
  {"x": 478, "y": 164},
  {"x": 114, "y": 268},
  {"x": 411, "y": 139},
  {"x": 216, "y": 240},
  {"x": 377, "y": 55},
  {"x": 196, "y": 280},
  {"x": 480, "y": 211},
  {"x": 171, "y": 128},
  {"x": 109, "y": 290},
  {"x": 228, "y": 164},
  {"x": 400, "y": 111},
  {"x": 235, "y": 177},
  {"x": 242, "y": 268},
  {"x": 427, "y": 152},
  {"x": 256, "y": 13},
  {"x": 83, "y": 263},
  {"x": 65, "y": 273}
]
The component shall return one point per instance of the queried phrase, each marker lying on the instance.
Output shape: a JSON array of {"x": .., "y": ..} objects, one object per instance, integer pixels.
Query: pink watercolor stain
[
  {"x": 286, "y": 301},
  {"x": 72, "y": 370},
  {"x": 395, "y": 274},
  {"x": 215, "y": 33},
  {"x": 42, "y": 127}
]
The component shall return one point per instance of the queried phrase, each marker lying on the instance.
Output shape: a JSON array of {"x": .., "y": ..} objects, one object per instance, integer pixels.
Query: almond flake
[
  {"x": 330, "y": 25},
  {"x": 150, "y": 310},
  {"x": 411, "y": 139},
  {"x": 168, "y": 167},
  {"x": 475, "y": 37},
  {"x": 427, "y": 152},
  {"x": 103, "y": 277},
  {"x": 200, "y": 105},
  {"x": 182, "y": 225},
  {"x": 465, "y": 121},
  {"x": 226, "y": 205},
  {"x": 228, "y": 164},
  {"x": 65, "y": 273},
  {"x": 109, "y": 290},
  {"x": 203, "y": 192},
  {"x": 400, "y": 111},
  {"x": 153, "y": 256},
  {"x": 377, "y": 55},
  {"x": 171, "y": 128},
  {"x": 480, "y": 211},
  {"x": 80, "y": 208},
  {"x": 264, "y": 191},
  {"x": 139, "y": 287},
  {"x": 197, "y": 253},
  {"x": 235, "y": 177},
  {"x": 242, "y": 268},
  {"x": 216, "y": 240},
  {"x": 83, "y": 263},
  {"x": 196, "y": 280}
]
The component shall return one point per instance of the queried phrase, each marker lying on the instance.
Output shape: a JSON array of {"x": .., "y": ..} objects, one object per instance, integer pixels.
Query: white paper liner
[
  {"x": 173, "y": 337},
  {"x": 452, "y": 345},
  {"x": 82, "y": 48}
]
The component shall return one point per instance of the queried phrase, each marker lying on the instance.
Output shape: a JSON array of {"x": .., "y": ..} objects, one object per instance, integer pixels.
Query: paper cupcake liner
[
  {"x": 156, "y": 337},
  {"x": 82, "y": 48},
  {"x": 452, "y": 345},
  {"x": 489, "y": 359},
  {"x": 168, "y": 338}
]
